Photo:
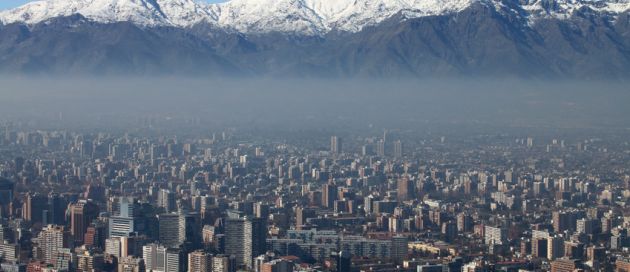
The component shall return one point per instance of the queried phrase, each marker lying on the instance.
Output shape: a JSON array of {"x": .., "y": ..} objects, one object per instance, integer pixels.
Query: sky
[{"x": 6, "y": 4}]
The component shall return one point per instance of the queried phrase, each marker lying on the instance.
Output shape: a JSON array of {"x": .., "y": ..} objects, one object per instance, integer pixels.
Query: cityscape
[
  {"x": 377, "y": 199},
  {"x": 314, "y": 136}
]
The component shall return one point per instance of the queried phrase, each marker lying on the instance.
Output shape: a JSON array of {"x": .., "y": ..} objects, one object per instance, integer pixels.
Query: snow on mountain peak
[{"x": 311, "y": 17}]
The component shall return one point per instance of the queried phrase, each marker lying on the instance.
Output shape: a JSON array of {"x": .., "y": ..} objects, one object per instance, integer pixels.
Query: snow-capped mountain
[
  {"x": 531, "y": 38},
  {"x": 309, "y": 17}
]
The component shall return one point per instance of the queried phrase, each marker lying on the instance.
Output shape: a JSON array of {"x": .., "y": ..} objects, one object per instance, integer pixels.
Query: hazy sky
[{"x": 5, "y": 4}]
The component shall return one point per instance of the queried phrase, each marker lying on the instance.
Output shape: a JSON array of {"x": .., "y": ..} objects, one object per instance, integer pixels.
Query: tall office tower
[
  {"x": 199, "y": 261},
  {"x": 57, "y": 206},
  {"x": 399, "y": 250},
  {"x": 154, "y": 257},
  {"x": 398, "y": 149},
  {"x": 166, "y": 200},
  {"x": 122, "y": 224},
  {"x": 35, "y": 208},
  {"x": 173, "y": 260},
  {"x": 82, "y": 214},
  {"x": 6, "y": 196},
  {"x": 329, "y": 195},
  {"x": 168, "y": 233},
  {"x": 223, "y": 263},
  {"x": 238, "y": 241},
  {"x": 406, "y": 189},
  {"x": 335, "y": 145},
  {"x": 131, "y": 264},
  {"x": 380, "y": 148},
  {"x": 259, "y": 236},
  {"x": 190, "y": 230},
  {"x": 51, "y": 240}
]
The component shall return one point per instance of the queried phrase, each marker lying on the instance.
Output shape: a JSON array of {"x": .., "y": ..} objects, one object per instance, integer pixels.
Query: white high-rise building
[
  {"x": 154, "y": 256},
  {"x": 173, "y": 263},
  {"x": 238, "y": 240},
  {"x": 335, "y": 145},
  {"x": 122, "y": 224},
  {"x": 113, "y": 246},
  {"x": 51, "y": 240}
]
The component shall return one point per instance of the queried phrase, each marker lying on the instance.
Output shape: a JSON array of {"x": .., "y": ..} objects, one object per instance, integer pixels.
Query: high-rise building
[
  {"x": 399, "y": 251},
  {"x": 223, "y": 263},
  {"x": 90, "y": 261},
  {"x": 51, "y": 240},
  {"x": 96, "y": 234},
  {"x": 173, "y": 260},
  {"x": 335, "y": 145},
  {"x": 565, "y": 265},
  {"x": 113, "y": 247},
  {"x": 406, "y": 189},
  {"x": 380, "y": 148},
  {"x": 169, "y": 231},
  {"x": 495, "y": 235},
  {"x": 464, "y": 223},
  {"x": 154, "y": 257},
  {"x": 555, "y": 247},
  {"x": 563, "y": 220},
  {"x": 329, "y": 195},
  {"x": 166, "y": 200},
  {"x": 398, "y": 149},
  {"x": 301, "y": 214},
  {"x": 343, "y": 261},
  {"x": 6, "y": 195},
  {"x": 35, "y": 208},
  {"x": 261, "y": 210},
  {"x": 259, "y": 236},
  {"x": 238, "y": 241},
  {"x": 122, "y": 224},
  {"x": 65, "y": 259},
  {"x": 539, "y": 247},
  {"x": 190, "y": 229},
  {"x": 57, "y": 206},
  {"x": 199, "y": 261},
  {"x": 82, "y": 214},
  {"x": 131, "y": 264}
]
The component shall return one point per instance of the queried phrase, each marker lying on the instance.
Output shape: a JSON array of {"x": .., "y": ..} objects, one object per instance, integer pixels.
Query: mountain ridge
[
  {"x": 303, "y": 17},
  {"x": 480, "y": 40}
]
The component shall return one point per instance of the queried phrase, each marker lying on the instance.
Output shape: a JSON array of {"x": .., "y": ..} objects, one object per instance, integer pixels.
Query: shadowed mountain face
[{"x": 478, "y": 41}]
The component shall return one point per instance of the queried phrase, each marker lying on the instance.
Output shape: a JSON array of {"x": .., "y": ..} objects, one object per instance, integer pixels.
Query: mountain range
[{"x": 312, "y": 38}]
